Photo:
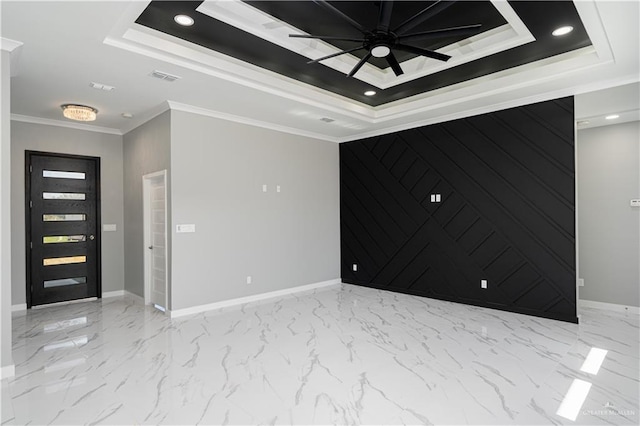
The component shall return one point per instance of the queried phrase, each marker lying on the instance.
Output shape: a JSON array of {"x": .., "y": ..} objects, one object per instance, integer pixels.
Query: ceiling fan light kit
[{"x": 382, "y": 40}]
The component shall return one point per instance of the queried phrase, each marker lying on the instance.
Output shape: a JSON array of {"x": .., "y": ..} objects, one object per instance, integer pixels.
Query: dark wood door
[{"x": 63, "y": 222}]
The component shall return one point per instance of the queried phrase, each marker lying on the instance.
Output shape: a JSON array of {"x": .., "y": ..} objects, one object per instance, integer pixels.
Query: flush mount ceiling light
[
  {"x": 562, "y": 31},
  {"x": 184, "y": 20},
  {"x": 612, "y": 117},
  {"x": 369, "y": 93},
  {"x": 79, "y": 112}
]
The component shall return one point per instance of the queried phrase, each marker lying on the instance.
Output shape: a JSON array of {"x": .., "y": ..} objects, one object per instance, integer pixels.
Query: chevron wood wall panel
[{"x": 506, "y": 211}]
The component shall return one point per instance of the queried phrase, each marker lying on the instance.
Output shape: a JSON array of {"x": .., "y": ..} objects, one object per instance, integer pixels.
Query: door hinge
[
  {"x": 30, "y": 204},
  {"x": 31, "y": 244},
  {"x": 30, "y": 168}
]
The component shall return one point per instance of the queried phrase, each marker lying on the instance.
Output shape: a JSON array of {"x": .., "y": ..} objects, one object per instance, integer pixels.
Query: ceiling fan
[{"x": 382, "y": 40}]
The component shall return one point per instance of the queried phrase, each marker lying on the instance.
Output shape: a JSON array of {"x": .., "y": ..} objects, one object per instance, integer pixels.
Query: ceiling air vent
[
  {"x": 164, "y": 76},
  {"x": 100, "y": 86},
  {"x": 327, "y": 119}
]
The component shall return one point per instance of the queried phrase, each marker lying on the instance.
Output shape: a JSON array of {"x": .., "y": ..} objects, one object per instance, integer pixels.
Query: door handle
[{"x": 91, "y": 237}]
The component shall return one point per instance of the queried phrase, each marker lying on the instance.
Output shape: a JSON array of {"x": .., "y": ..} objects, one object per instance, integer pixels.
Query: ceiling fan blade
[
  {"x": 422, "y": 16},
  {"x": 360, "y": 40},
  {"x": 341, "y": 15},
  {"x": 445, "y": 32},
  {"x": 423, "y": 52},
  {"x": 384, "y": 18},
  {"x": 393, "y": 63},
  {"x": 336, "y": 54},
  {"x": 359, "y": 64}
]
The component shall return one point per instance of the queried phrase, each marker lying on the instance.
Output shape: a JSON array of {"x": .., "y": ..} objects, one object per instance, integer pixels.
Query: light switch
[
  {"x": 438, "y": 198},
  {"x": 264, "y": 188},
  {"x": 635, "y": 203},
  {"x": 109, "y": 227},
  {"x": 433, "y": 198},
  {"x": 186, "y": 228},
  {"x": 483, "y": 283},
  {"x": 355, "y": 267},
  {"x": 277, "y": 188}
]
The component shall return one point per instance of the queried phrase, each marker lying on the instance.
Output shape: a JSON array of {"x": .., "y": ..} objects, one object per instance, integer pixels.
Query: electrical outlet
[
  {"x": 264, "y": 188},
  {"x": 354, "y": 267},
  {"x": 580, "y": 282},
  {"x": 249, "y": 280},
  {"x": 277, "y": 188},
  {"x": 483, "y": 283}
]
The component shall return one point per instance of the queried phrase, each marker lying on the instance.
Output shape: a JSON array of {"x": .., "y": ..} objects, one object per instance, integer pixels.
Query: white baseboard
[
  {"x": 254, "y": 298},
  {"x": 19, "y": 307},
  {"x": 134, "y": 296},
  {"x": 115, "y": 293},
  {"x": 8, "y": 371},
  {"x": 608, "y": 306}
]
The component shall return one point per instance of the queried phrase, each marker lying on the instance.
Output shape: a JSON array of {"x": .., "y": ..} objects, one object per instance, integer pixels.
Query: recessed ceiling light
[
  {"x": 127, "y": 115},
  {"x": 184, "y": 20},
  {"x": 612, "y": 117},
  {"x": 79, "y": 112},
  {"x": 369, "y": 93},
  {"x": 562, "y": 31}
]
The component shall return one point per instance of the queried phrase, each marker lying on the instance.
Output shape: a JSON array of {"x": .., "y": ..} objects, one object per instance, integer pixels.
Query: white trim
[
  {"x": 254, "y": 298},
  {"x": 59, "y": 123},
  {"x": 177, "y": 106},
  {"x": 115, "y": 293},
  {"x": 9, "y": 45},
  {"x": 134, "y": 296},
  {"x": 146, "y": 209},
  {"x": 146, "y": 117},
  {"x": 609, "y": 306},
  {"x": 66, "y": 302},
  {"x": 8, "y": 371},
  {"x": 19, "y": 307}
]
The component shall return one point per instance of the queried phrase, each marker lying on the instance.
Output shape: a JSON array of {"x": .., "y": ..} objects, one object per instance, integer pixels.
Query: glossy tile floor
[{"x": 345, "y": 355}]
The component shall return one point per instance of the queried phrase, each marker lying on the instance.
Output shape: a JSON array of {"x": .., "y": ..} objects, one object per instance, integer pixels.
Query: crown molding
[
  {"x": 58, "y": 123},
  {"x": 249, "y": 121}
]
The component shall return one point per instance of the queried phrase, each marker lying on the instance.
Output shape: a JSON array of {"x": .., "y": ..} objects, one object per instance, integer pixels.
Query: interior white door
[{"x": 157, "y": 241}]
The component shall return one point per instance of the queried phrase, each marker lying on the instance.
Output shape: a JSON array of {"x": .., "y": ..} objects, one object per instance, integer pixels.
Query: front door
[{"x": 63, "y": 219}]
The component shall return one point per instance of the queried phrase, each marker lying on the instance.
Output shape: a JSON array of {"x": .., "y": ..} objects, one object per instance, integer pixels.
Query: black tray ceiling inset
[{"x": 540, "y": 17}]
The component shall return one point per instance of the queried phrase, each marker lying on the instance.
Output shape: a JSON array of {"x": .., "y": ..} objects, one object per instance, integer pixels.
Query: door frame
[
  {"x": 27, "y": 216},
  {"x": 146, "y": 224}
]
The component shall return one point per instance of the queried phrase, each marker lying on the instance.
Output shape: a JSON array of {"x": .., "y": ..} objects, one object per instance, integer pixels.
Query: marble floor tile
[{"x": 343, "y": 355}]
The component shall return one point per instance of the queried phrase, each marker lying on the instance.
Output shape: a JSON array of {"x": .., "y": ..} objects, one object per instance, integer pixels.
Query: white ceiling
[{"x": 58, "y": 48}]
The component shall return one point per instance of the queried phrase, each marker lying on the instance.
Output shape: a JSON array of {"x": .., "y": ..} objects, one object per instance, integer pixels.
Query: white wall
[
  {"x": 282, "y": 240},
  {"x": 39, "y": 137},
  {"x": 608, "y": 227},
  {"x": 146, "y": 150},
  {"x": 6, "y": 359}
]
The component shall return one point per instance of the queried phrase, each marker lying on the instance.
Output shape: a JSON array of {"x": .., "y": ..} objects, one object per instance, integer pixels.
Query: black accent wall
[{"x": 506, "y": 215}]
